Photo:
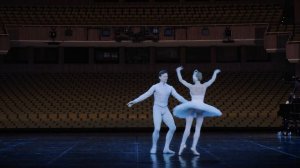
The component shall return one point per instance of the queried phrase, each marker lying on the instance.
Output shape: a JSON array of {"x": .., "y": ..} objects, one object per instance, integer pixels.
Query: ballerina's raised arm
[
  {"x": 213, "y": 78},
  {"x": 185, "y": 83}
]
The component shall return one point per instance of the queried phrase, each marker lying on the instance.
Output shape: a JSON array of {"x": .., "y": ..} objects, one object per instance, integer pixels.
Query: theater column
[
  {"x": 61, "y": 55},
  {"x": 213, "y": 55},
  {"x": 182, "y": 55},
  {"x": 2, "y": 58},
  {"x": 122, "y": 55},
  {"x": 91, "y": 55},
  {"x": 243, "y": 55},
  {"x": 152, "y": 55},
  {"x": 30, "y": 52},
  {"x": 297, "y": 11}
]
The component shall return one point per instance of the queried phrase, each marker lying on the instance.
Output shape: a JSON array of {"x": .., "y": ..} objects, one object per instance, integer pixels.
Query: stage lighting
[
  {"x": 204, "y": 31},
  {"x": 68, "y": 32},
  {"x": 105, "y": 32},
  {"x": 227, "y": 32},
  {"x": 155, "y": 30},
  {"x": 127, "y": 30},
  {"x": 227, "y": 35},
  {"x": 52, "y": 34},
  {"x": 168, "y": 31}
]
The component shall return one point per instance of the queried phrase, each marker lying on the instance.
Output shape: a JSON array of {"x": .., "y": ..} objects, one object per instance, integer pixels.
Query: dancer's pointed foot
[
  {"x": 168, "y": 151},
  {"x": 153, "y": 150},
  {"x": 195, "y": 152},
  {"x": 182, "y": 147}
]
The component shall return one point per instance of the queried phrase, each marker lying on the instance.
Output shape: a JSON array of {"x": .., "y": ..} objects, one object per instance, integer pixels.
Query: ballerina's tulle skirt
[{"x": 193, "y": 108}]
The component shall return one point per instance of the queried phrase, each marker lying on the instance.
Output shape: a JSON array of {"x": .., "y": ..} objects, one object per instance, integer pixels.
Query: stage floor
[{"x": 218, "y": 150}]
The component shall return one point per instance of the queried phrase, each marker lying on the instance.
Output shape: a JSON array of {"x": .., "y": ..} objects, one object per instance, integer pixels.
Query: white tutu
[{"x": 195, "y": 107}]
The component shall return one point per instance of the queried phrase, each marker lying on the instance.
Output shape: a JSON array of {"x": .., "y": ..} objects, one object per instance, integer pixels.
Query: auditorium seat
[
  {"x": 142, "y": 14},
  {"x": 89, "y": 100}
]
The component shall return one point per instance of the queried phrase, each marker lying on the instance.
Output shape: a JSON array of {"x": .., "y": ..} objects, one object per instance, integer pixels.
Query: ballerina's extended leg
[
  {"x": 187, "y": 130},
  {"x": 197, "y": 135}
]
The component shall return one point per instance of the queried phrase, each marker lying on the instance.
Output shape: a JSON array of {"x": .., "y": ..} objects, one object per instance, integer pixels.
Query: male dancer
[{"x": 161, "y": 111}]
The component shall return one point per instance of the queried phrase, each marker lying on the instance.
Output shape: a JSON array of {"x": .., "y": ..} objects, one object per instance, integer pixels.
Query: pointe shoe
[
  {"x": 168, "y": 151},
  {"x": 153, "y": 150},
  {"x": 195, "y": 152},
  {"x": 182, "y": 147}
]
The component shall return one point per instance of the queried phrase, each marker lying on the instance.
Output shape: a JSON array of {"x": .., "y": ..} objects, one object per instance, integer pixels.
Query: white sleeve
[
  {"x": 145, "y": 95},
  {"x": 177, "y": 96}
]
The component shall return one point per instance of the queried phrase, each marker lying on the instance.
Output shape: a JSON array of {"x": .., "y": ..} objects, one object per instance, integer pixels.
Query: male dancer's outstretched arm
[{"x": 142, "y": 97}]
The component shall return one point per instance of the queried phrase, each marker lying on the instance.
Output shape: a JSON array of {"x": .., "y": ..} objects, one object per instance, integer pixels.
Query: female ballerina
[{"x": 195, "y": 108}]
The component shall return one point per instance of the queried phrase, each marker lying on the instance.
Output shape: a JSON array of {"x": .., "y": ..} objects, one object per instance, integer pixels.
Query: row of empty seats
[
  {"x": 293, "y": 30},
  {"x": 97, "y": 100},
  {"x": 2, "y": 29},
  {"x": 296, "y": 36},
  {"x": 281, "y": 28},
  {"x": 141, "y": 14}
]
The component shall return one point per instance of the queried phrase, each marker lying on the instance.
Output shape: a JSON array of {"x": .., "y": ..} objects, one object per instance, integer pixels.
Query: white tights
[
  {"x": 162, "y": 114},
  {"x": 188, "y": 125}
]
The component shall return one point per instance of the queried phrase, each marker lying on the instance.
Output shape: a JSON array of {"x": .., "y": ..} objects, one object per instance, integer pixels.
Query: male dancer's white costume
[{"x": 161, "y": 112}]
